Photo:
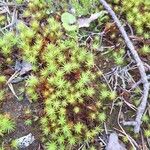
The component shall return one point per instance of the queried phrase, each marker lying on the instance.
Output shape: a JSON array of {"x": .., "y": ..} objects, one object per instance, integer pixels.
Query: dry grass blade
[{"x": 12, "y": 90}]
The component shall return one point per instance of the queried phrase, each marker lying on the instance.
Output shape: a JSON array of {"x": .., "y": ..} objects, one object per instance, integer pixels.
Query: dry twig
[
  {"x": 140, "y": 65},
  {"x": 131, "y": 140}
]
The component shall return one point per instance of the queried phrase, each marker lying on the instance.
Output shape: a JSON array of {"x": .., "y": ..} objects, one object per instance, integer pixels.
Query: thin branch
[
  {"x": 140, "y": 66},
  {"x": 138, "y": 83},
  {"x": 11, "y": 4},
  {"x": 123, "y": 131}
]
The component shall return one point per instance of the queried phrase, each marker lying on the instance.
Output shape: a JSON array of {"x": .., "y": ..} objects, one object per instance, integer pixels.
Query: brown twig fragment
[{"x": 140, "y": 66}]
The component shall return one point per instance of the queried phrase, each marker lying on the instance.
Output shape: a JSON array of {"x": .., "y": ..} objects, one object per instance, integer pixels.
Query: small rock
[
  {"x": 25, "y": 141},
  {"x": 114, "y": 143}
]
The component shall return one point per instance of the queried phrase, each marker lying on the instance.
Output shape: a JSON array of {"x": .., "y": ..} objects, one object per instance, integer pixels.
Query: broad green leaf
[
  {"x": 69, "y": 27},
  {"x": 68, "y": 18}
]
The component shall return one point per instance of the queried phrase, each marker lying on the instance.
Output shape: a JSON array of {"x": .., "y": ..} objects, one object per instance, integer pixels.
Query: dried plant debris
[
  {"x": 85, "y": 22},
  {"x": 23, "y": 67}
]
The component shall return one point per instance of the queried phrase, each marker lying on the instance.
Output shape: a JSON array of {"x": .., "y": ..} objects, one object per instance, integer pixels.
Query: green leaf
[
  {"x": 68, "y": 18},
  {"x": 69, "y": 27}
]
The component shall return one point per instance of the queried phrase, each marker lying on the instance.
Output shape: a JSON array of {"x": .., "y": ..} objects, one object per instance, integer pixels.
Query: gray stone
[
  {"x": 114, "y": 143},
  {"x": 25, "y": 141}
]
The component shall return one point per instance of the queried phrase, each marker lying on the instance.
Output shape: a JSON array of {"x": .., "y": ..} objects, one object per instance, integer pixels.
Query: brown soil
[{"x": 16, "y": 109}]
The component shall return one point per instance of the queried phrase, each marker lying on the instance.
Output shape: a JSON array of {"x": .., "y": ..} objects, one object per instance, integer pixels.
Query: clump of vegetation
[
  {"x": 137, "y": 14},
  {"x": 84, "y": 7},
  {"x": 14, "y": 144},
  {"x": 70, "y": 107},
  {"x": 7, "y": 125},
  {"x": 63, "y": 77},
  {"x": 65, "y": 82},
  {"x": 145, "y": 50}
]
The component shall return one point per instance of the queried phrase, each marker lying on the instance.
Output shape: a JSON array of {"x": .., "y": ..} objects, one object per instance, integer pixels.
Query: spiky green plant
[
  {"x": 60, "y": 80},
  {"x": 84, "y": 7},
  {"x": 14, "y": 144},
  {"x": 6, "y": 125},
  {"x": 137, "y": 14},
  {"x": 147, "y": 133},
  {"x": 63, "y": 77},
  {"x": 28, "y": 122},
  {"x": 2, "y": 79}
]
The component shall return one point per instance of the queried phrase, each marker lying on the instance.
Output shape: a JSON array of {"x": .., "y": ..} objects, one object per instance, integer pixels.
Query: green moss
[
  {"x": 14, "y": 144},
  {"x": 147, "y": 133},
  {"x": 2, "y": 79},
  {"x": 62, "y": 77},
  {"x": 84, "y": 7},
  {"x": 136, "y": 13},
  {"x": 6, "y": 125},
  {"x": 145, "y": 49}
]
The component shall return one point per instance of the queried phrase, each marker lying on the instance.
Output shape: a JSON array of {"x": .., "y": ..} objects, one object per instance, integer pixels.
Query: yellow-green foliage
[
  {"x": 63, "y": 77},
  {"x": 84, "y": 7},
  {"x": 137, "y": 14},
  {"x": 2, "y": 20},
  {"x": 6, "y": 124},
  {"x": 63, "y": 81},
  {"x": 146, "y": 120}
]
